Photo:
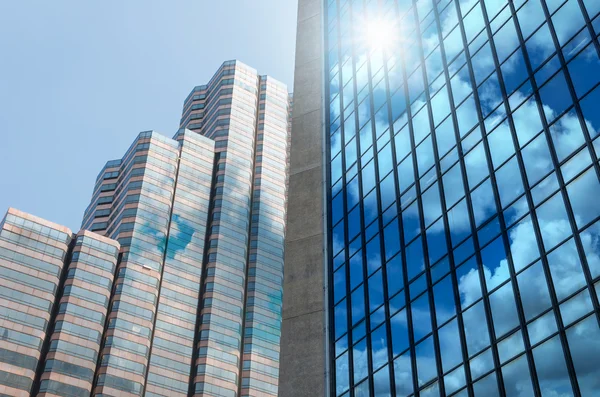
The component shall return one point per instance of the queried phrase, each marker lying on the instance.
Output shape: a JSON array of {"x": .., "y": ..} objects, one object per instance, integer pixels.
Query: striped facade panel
[{"x": 32, "y": 256}]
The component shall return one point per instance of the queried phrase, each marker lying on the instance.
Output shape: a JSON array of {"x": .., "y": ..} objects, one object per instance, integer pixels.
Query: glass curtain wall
[{"x": 463, "y": 182}]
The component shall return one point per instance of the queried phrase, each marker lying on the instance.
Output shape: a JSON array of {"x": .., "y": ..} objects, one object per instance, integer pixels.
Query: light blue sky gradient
[{"x": 79, "y": 80}]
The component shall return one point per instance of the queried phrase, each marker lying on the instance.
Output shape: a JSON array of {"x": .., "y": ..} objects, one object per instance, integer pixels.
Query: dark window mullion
[
  {"x": 408, "y": 305},
  {"x": 393, "y": 173},
  {"x": 432, "y": 312},
  {"x": 380, "y": 228},
  {"x": 589, "y": 26},
  {"x": 345, "y": 216},
  {"x": 485, "y": 297},
  {"x": 362, "y": 205}
]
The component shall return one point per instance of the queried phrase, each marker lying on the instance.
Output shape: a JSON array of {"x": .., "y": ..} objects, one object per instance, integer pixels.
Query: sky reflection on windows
[{"x": 481, "y": 237}]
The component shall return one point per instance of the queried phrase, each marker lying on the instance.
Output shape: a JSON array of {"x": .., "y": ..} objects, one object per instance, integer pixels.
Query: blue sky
[{"x": 79, "y": 80}]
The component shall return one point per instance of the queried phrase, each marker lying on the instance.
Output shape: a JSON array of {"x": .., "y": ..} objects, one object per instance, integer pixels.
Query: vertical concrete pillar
[{"x": 303, "y": 341}]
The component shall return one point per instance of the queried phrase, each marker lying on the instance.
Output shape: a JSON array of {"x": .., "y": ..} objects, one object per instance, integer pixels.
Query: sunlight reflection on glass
[{"x": 377, "y": 33}]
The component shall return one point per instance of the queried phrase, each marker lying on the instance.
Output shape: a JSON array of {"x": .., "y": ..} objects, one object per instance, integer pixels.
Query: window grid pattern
[
  {"x": 233, "y": 125},
  {"x": 474, "y": 73},
  {"x": 260, "y": 367},
  {"x": 180, "y": 293},
  {"x": 237, "y": 350},
  {"x": 140, "y": 215},
  {"x": 31, "y": 250},
  {"x": 169, "y": 370},
  {"x": 81, "y": 316}
]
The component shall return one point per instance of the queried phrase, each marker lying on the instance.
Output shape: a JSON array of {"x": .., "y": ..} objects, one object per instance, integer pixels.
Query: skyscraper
[
  {"x": 450, "y": 243},
  {"x": 174, "y": 285},
  {"x": 155, "y": 202},
  {"x": 53, "y": 303},
  {"x": 78, "y": 325},
  {"x": 247, "y": 116},
  {"x": 201, "y": 222}
]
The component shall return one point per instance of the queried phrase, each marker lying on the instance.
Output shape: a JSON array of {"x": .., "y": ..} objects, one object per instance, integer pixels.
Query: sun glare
[{"x": 379, "y": 34}]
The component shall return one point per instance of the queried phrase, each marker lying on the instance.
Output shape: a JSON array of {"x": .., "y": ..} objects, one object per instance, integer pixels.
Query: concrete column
[{"x": 303, "y": 341}]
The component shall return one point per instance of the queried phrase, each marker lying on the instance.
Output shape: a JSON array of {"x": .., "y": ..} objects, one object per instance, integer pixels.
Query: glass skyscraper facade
[
  {"x": 155, "y": 202},
  {"x": 74, "y": 345},
  {"x": 247, "y": 116},
  {"x": 174, "y": 285},
  {"x": 462, "y": 179},
  {"x": 201, "y": 223},
  {"x": 53, "y": 305}
]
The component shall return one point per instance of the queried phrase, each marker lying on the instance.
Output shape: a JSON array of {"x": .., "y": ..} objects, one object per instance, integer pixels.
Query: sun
[{"x": 378, "y": 34}]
